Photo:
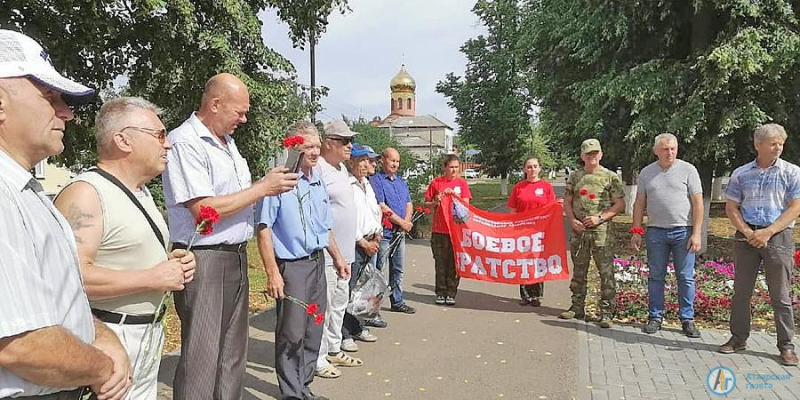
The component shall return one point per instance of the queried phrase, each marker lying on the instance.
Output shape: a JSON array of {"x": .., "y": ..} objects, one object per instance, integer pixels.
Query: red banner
[{"x": 521, "y": 248}]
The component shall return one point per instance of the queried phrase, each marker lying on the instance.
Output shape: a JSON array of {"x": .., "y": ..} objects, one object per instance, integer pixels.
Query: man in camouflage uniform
[{"x": 593, "y": 197}]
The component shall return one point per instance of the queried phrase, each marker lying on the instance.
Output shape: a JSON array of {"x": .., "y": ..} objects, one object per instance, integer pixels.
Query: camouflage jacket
[{"x": 593, "y": 193}]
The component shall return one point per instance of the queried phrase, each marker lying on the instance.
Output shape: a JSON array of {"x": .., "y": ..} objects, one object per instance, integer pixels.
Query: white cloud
[{"x": 362, "y": 50}]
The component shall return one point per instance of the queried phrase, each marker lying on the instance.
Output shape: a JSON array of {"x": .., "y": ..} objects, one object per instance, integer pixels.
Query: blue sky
[{"x": 362, "y": 50}]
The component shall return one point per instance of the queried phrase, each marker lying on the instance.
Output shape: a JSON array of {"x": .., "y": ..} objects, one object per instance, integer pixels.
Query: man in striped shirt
[
  {"x": 50, "y": 345},
  {"x": 763, "y": 203}
]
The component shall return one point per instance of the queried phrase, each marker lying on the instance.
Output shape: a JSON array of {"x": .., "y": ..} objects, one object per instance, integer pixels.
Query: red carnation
[
  {"x": 419, "y": 208},
  {"x": 292, "y": 141},
  {"x": 592, "y": 196},
  {"x": 583, "y": 192},
  {"x": 319, "y": 318},
  {"x": 797, "y": 257},
  {"x": 206, "y": 219},
  {"x": 312, "y": 308},
  {"x": 387, "y": 224},
  {"x": 426, "y": 210}
]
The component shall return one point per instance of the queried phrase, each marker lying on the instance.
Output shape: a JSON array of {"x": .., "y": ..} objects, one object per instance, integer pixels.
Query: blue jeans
[
  {"x": 395, "y": 270},
  {"x": 660, "y": 243}
]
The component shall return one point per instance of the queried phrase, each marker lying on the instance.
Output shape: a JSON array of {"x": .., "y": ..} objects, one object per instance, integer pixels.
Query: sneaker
[
  {"x": 450, "y": 301},
  {"x": 605, "y": 320},
  {"x": 690, "y": 329},
  {"x": 349, "y": 345},
  {"x": 366, "y": 336},
  {"x": 439, "y": 300},
  {"x": 536, "y": 302},
  {"x": 376, "y": 322},
  {"x": 572, "y": 314},
  {"x": 652, "y": 326},
  {"x": 404, "y": 308}
]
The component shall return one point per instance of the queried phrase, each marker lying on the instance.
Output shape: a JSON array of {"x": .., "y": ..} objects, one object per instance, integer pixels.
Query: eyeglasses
[
  {"x": 160, "y": 134},
  {"x": 342, "y": 140}
]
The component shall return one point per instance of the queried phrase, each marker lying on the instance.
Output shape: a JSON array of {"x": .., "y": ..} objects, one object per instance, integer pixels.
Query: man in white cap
[{"x": 50, "y": 345}]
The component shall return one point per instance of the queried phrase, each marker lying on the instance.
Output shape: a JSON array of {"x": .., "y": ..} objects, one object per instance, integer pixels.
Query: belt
[
  {"x": 64, "y": 395},
  {"x": 234, "y": 248},
  {"x": 111, "y": 317},
  {"x": 314, "y": 256},
  {"x": 757, "y": 227}
]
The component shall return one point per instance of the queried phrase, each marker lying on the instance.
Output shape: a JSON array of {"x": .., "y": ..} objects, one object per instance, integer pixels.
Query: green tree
[
  {"x": 708, "y": 71},
  {"x": 490, "y": 101},
  {"x": 165, "y": 51}
]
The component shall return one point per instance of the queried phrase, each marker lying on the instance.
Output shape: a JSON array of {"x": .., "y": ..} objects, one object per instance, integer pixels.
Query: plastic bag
[{"x": 368, "y": 292}]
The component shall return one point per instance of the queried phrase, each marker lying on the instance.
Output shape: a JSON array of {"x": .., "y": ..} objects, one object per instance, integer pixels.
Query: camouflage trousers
[{"x": 584, "y": 248}]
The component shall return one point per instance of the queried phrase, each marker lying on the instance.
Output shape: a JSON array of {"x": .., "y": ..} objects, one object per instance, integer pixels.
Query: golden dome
[{"x": 402, "y": 79}]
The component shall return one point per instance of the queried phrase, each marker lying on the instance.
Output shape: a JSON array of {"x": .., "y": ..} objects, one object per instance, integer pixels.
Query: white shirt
[
  {"x": 199, "y": 166},
  {"x": 40, "y": 279},
  {"x": 337, "y": 184},
  {"x": 368, "y": 212}
]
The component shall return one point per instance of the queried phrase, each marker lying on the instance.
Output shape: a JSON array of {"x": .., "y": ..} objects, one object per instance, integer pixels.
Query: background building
[{"x": 424, "y": 135}]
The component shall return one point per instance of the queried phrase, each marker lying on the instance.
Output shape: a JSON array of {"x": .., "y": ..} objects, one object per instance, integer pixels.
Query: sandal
[
  {"x": 341, "y": 359},
  {"x": 329, "y": 372}
]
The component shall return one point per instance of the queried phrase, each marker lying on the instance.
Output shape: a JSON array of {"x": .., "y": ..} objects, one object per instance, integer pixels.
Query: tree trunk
[
  {"x": 630, "y": 197},
  {"x": 504, "y": 185},
  {"x": 706, "y": 172}
]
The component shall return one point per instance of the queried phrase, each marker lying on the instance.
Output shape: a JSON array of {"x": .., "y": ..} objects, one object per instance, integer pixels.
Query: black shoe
[
  {"x": 690, "y": 329},
  {"x": 439, "y": 300},
  {"x": 315, "y": 397},
  {"x": 535, "y": 302},
  {"x": 652, "y": 326},
  {"x": 525, "y": 301},
  {"x": 376, "y": 322},
  {"x": 404, "y": 308}
]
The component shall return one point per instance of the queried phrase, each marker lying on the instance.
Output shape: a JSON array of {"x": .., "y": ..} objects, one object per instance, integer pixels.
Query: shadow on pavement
[
  {"x": 480, "y": 301},
  {"x": 637, "y": 337}
]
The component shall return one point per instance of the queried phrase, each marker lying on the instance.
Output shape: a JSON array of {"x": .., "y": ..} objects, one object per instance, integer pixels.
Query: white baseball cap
[{"x": 21, "y": 56}]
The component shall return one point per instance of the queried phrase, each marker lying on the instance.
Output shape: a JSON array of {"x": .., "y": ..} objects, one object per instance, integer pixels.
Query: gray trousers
[
  {"x": 67, "y": 395},
  {"x": 214, "y": 328},
  {"x": 778, "y": 271},
  {"x": 297, "y": 337}
]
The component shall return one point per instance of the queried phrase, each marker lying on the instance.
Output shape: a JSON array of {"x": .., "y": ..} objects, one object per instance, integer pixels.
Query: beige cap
[
  {"x": 338, "y": 128},
  {"x": 590, "y": 145}
]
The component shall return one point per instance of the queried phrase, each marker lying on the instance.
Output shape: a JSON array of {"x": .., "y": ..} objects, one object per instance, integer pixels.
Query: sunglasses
[
  {"x": 342, "y": 140},
  {"x": 160, "y": 134}
]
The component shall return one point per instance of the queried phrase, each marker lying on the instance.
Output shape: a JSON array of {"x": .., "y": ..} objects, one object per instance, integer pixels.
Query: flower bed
[{"x": 714, "y": 291}]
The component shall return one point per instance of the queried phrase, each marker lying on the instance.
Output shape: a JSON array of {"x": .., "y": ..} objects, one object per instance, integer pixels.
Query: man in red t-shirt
[{"x": 446, "y": 277}]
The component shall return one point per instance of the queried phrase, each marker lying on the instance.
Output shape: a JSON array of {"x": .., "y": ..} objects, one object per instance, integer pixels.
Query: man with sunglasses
[
  {"x": 206, "y": 169},
  {"x": 336, "y": 147},
  {"x": 50, "y": 345},
  {"x": 125, "y": 266}
]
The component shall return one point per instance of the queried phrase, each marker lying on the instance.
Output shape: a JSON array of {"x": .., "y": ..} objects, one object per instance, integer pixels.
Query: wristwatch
[{"x": 600, "y": 220}]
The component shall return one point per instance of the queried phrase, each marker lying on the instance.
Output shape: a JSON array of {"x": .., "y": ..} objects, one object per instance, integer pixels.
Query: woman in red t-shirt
[
  {"x": 530, "y": 194},
  {"x": 444, "y": 260}
]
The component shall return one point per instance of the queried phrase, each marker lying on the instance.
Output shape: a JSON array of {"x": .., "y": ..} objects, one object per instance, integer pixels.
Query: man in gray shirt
[{"x": 669, "y": 189}]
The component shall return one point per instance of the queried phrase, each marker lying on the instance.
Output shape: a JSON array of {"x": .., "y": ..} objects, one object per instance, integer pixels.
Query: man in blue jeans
[
  {"x": 393, "y": 196},
  {"x": 669, "y": 189}
]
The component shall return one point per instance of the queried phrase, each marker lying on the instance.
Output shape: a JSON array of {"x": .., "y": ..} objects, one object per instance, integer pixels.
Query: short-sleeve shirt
[
  {"x": 669, "y": 193},
  {"x": 368, "y": 212},
  {"x": 439, "y": 185},
  {"x": 40, "y": 277},
  {"x": 337, "y": 184},
  {"x": 392, "y": 191},
  {"x": 593, "y": 193},
  {"x": 528, "y": 195},
  {"x": 764, "y": 194},
  {"x": 199, "y": 166},
  {"x": 300, "y": 219}
]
